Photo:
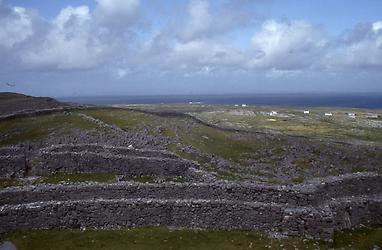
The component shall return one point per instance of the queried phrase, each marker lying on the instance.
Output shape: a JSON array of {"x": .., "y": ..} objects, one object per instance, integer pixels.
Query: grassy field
[
  {"x": 84, "y": 177},
  {"x": 35, "y": 128},
  {"x": 9, "y": 182},
  {"x": 234, "y": 147},
  {"x": 162, "y": 238},
  {"x": 120, "y": 118},
  {"x": 293, "y": 121}
]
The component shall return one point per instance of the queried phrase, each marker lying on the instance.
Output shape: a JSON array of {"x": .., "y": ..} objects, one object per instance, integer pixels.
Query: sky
[{"x": 162, "y": 47}]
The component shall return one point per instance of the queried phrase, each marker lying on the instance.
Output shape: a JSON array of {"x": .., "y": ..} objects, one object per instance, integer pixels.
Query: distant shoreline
[{"x": 368, "y": 101}]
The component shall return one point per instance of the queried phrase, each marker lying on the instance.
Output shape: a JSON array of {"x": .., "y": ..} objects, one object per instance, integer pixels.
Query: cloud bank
[{"x": 118, "y": 40}]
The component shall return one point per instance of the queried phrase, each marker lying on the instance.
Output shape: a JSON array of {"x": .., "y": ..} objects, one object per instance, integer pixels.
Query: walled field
[
  {"x": 192, "y": 166},
  {"x": 161, "y": 238}
]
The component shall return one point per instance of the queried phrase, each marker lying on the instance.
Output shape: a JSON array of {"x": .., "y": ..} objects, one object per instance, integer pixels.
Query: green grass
[
  {"x": 224, "y": 174},
  {"x": 162, "y": 238},
  {"x": 153, "y": 179},
  {"x": 35, "y": 128},
  {"x": 314, "y": 125},
  {"x": 124, "y": 119},
  {"x": 78, "y": 177},
  {"x": 216, "y": 142},
  {"x": 143, "y": 178},
  {"x": 9, "y": 182},
  {"x": 302, "y": 164}
]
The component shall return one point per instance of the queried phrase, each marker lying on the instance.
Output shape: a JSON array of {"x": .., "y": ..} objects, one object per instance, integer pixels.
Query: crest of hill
[{"x": 11, "y": 103}]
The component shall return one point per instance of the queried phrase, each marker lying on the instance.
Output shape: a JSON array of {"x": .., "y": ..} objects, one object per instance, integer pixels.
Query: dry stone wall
[
  {"x": 294, "y": 195},
  {"x": 313, "y": 210},
  {"x": 12, "y": 162},
  {"x": 94, "y": 158}
]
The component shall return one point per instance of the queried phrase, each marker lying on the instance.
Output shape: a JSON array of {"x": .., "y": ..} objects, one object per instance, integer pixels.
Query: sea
[{"x": 368, "y": 101}]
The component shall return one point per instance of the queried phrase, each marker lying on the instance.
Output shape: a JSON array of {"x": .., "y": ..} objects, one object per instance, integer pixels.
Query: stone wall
[
  {"x": 94, "y": 158},
  {"x": 313, "y": 210},
  {"x": 311, "y": 222},
  {"x": 12, "y": 162},
  {"x": 96, "y": 148},
  {"x": 295, "y": 195},
  {"x": 118, "y": 160}
]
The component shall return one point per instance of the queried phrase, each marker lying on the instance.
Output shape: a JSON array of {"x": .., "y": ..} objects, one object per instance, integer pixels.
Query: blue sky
[{"x": 118, "y": 47}]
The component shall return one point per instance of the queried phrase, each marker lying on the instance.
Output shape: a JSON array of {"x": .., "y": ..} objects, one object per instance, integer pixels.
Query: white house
[
  {"x": 306, "y": 112},
  {"x": 372, "y": 116},
  {"x": 244, "y": 105},
  {"x": 352, "y": 115},
  {"x": 236, "y": 105},
  {"x": 328, "y": 114},
  {"x": 272, "y": 113}
]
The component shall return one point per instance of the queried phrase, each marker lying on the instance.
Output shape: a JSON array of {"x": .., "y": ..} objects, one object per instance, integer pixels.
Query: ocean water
[{"x": 370, "y": 101}]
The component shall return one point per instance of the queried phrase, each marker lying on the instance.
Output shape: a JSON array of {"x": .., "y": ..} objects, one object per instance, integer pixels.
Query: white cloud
[
  {"x": 205, "y": 53},
  {"x": 199, "y": 19},
  {"x": 110, "y": 40},
  {"x": 362, "y": 50},
  {"x": 377, "y": 26},
  {"x": 287, "y": 45},
  {"x": 69, "y": 44},
  {"x": 116, "y": 14},
  {"x": 74, "y": 17},
  {"x": 15, "y": 26},
  {"x": 78, "y": 39}
]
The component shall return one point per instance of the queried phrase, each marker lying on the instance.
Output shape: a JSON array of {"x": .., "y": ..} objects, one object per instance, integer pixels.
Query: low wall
[
  {"x": 93, "y": 158},
  {"x": 89, "y": 162},
  {"x": 118, "y": 160},
  {"x": 311, "y": 222},
  {"x": 313, "y": 210},
  {"x": 296, "y": 195},
  {"x": 12, "y": 166},
  {"x": 95, "y": 148},
  {"x": 12, "y": 162}
]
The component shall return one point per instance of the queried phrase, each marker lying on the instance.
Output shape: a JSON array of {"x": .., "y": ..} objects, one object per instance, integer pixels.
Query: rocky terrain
[{"x": 185, "y": 166}]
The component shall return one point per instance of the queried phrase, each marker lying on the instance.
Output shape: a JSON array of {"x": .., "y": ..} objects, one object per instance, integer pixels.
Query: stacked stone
[
  {"x": 12, "y": 162},
  {"x": 301, "y": 210}
]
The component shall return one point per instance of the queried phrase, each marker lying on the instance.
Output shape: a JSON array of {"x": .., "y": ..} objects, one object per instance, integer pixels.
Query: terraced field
[{"x": 166, "y": 147}]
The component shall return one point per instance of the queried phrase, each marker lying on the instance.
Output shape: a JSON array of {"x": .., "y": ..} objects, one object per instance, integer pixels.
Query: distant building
[
  {"x": 372, "y": 116},
  {"x": 307, "y": 112},
  {"x": 272, "y": 113},
  {"x": 236, "y": 105},
  {"x": 328, "y": 114},
  {"x": 351, "y": 115},
  {"x": 244, "y": 105}
]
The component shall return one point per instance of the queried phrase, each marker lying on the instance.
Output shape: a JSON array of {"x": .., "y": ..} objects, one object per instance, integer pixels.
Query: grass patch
[
  {"x": 124, "y": 119},
  {"x": 314, "y": 125},
  {"x": 224, "y": 174},
  {"x": 162, "y": 238},
  {"x": 217, "y": 142},
  {"x": 356, "y": 169},
  {"x": 35, "y": 128},
  {"x": 143, "y": 178},
  {"x": 153, "y": 179},
  {"x": 302, "y": 164},
  {"x": 9, "y": 182},
  {"x": 77, "y": 177}
]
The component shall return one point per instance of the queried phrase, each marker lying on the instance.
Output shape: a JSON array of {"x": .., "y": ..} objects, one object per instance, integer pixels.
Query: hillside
[{"x": 11, "y": 103}]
